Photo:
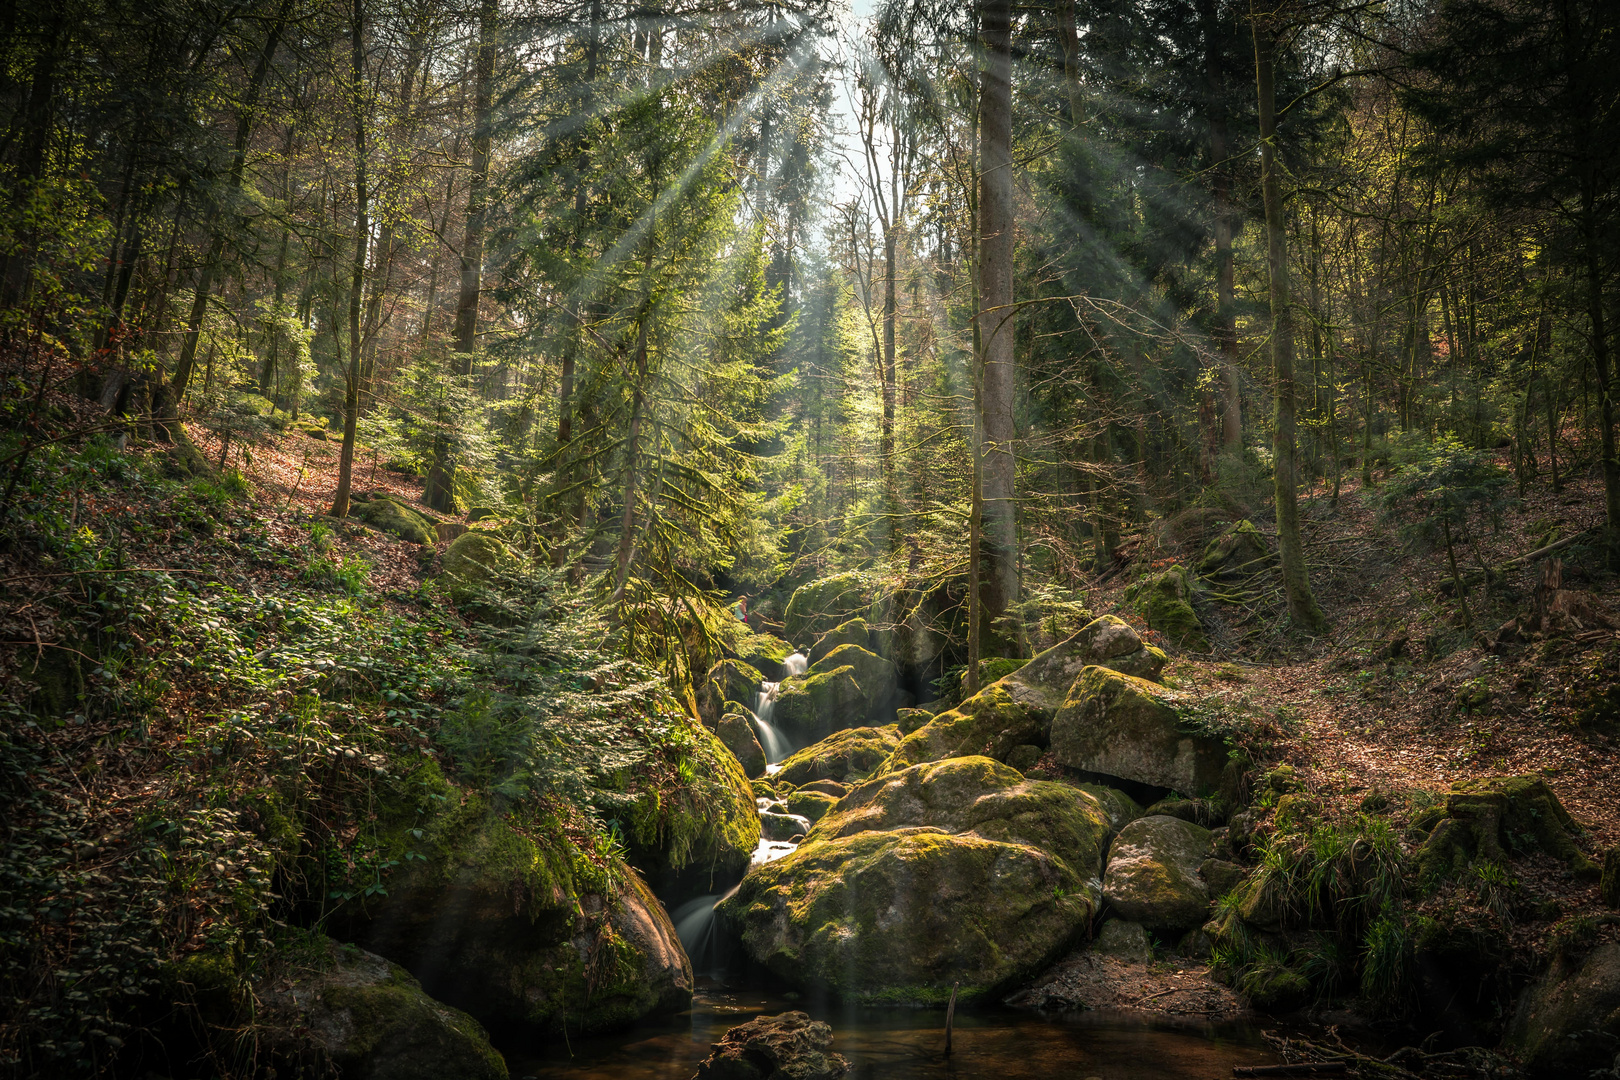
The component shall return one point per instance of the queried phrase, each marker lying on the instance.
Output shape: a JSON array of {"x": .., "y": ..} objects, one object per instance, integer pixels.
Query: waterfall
[{"x": 771, "y": 740}]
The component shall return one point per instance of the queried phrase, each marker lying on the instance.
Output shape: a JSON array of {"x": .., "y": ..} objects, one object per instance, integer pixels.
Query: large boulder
[
  {"x": 1153, "y": 876},
  {"x": 737, "y": 733},
  {"x": 1119, "y": 725},
  {"x": 1018, "y": 708},
  {"x": 848, "y": 755},
  {"x": 811, "y": 705},
  {"x": 473, "y": 559},
  {"x": 1165, "y": 601},
  {"x": 370, "y": 1019},
  {"x": 851, "y": 632},
  {"x": 765, "y": 654},
  {"x": 955, "y": 871},
  {"x": 385, "y": 515},
  {"x": 1568, "y": 1024},
  {"x": 787, "y": 1047},
  {"x": 876, "y": 677},
  {"x": 498, "y": 914},
  {"x": 818, "y": 606},
  {"x": 729, "y": 680}
]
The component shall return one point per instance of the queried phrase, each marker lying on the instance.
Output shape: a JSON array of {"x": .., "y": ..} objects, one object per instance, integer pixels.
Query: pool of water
[{"x": 908, "y": 1044}]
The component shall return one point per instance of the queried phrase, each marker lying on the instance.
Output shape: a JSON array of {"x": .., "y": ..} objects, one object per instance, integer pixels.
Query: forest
[{"x": 744, "y": 539}]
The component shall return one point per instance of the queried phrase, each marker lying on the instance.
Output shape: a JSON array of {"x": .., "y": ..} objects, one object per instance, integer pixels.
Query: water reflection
[{"x": 906, "y": 1044}]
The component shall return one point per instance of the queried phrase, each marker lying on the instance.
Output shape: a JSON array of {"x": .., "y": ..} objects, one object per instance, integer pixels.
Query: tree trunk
[
  {"x": 1600, "y": 366},
  {"x": 1231, "y": 413},
  {"x": 995, "y": 315},
  {"x": 362, "y": 231},
  {"x": 176, "y": 389},
  {"x": 472, "y": 246},
  {"x": 1302, "y": 606}
]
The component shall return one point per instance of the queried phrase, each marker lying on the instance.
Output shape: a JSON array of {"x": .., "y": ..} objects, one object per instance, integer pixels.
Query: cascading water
[
  {"x": 773, "y": 815},
  {"x": 771, "y": 740}
]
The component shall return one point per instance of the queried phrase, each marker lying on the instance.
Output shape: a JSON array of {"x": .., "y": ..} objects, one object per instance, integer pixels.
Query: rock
[
  {"x": 775, "y": 826},
  {"x": 479, "y": 513},
  {"x": 992, "y": 669},
  {"x": 827, "y": 787},
  {"x": 1221, "y": 876},
  {"x": 1153, "y": 876},
  {"x": 819, "y": 606},
  {"x": 817, "y": 703},
  {"x": 371, "y": 1019},
  {"x": 448, "y": 530},
  {"x": 738, "y": 736},
  {"x": 848, "y": 755},
  {"x": 1024, "y": 757},
  {"x": 955, "y": 871},
  {"x": 1113, "y": 643},
  {"x": 1241, "y": 551},
  {"x": 474, "y": 559},
  {"x": 912, "y": 719},
  {"x": 729, "y": 680},
  {"x": 990, "y": 723},
  {"x": 1492, "y": 818},
  {"x": 1205, "y": 812},
  {"x": 1119, "y": 725},
  {"x": 1568, "y": 1024},
  {"x": 765, "y": 654},
  {"x": 850, "y": 632},
  {"x": 1120, "y": 807},
  {"x": 1124, "y": 941},
  {"x": 786, "y": 1047},
  {"x": 1165, "y": 601},
  {"x": 810, "y": 804},
  {"x": 386, "y": 515},
  {"x": 875, "y": 676}
]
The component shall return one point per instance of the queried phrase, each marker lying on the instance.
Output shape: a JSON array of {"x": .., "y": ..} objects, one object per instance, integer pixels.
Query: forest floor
[{"x": 1399, "y": 700}]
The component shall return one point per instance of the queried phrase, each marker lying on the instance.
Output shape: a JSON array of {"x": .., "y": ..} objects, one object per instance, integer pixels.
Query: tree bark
[
  {"x": 1302, "y": 607},
  {"x": 995, "y": 316},
  {"x": 1600, "y": 366},
  {"x": 362, "y": 230},
  {"x": 472, "y": 246},
  {"x": 1231, "y": 413}
]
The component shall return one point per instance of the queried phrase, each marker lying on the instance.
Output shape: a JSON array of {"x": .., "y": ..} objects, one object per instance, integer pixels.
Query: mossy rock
[
  {"x": 910, "y": 720},
  {"x": 1024, "y": 757},
  {"x": 1494, "y": 819},
  {"x": 667, "y": 835},
  {"x": 474, "y": 559},
  {"x": 370, "y": 1019},
  {"x": 1112, "y": 642},
  {"x": 1239, "y": 552},
  {"x": 1127, "y": 941},
  {"x": 1165, "y": 601},
  {"x": 737, "y": 733},
  {"x": 819, "y": 606},
  {"x": 951, "y": 872},
  {"x": 991, "y": 669},
  {"x": 1207, "y": 813},
  {"x": 850, "y": 632},
  {"x": 729, "y": 680},
  {"x": 875, "y": 676},
  {"x": 479, "y": 513},
  {"x": 845, "y": 755},
  {"x": 765, "y": 654},
  {"x": 811, "y": 805},
  {"x": 1275, "y": 987},
  {"x": 1120, "y": 807},
  {"x": 1568, "y": 1024},
  {"x": 1153, "y": 874},
  {"x": 388, "y": 516},
  {"x": 990, "y": 723},
  {"x": 812, "y": 705},
  {"x": 1119, "y": 725}
]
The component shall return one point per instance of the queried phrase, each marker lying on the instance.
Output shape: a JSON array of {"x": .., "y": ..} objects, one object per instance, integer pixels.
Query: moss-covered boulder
[
  {"x": 810, "y": 805},
  {"x": 1127, "y": 941},
  {"x": 990, "y": 723},
  {"x": 876, "y": 677},
  {"x": 1119, "y": 725},
  {"x": 1165, "y": 601},
  {"x": 737, "y": 733},
  {"x": 850, "y": 632},
  {"x": 764, "y": 653},
  {"x": 1238, "y": 552},
  {"x": 1153, "y": 876},
  {"x": 1120, "y": 807},
  {"x": 1568, "y": 1024},
  {"x": 818, "y": 606},
  {"x": 369, "y": 1018},
  {"x": 474, "y": 559},
  {"x": 1110, "y": 642},
  {"x": 385, "y": 515},
  {"x": 729, "y": 680},
  {"x": 954, "y": 871},
  {"x": 848, "y": 755},
  {"x": 1495, "y": 818},
  {"x": 712, "y": 827},
  {"x": 787, "y": 1047},
  {"x": 811, "y": 705}
]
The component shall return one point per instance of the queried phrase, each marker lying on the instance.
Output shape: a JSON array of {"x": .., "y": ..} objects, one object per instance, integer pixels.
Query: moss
[
  {"x": 875, "y": 676},
  {"x": 1493, "y": 819},
  {"x": 1240, "y": 551},
  {"x": 849, "y": 632},
  {"x": 819, "y": 702},
  {"x": 850, "y": 754},
  {"x": 1119, "y": 725},
  {"x": 473, "y": 561},
  {"x": 1165, "y": 601},
  {"x": 991, "y": 723},
  {"x": 386, "y": 515},
  {"x": 819, "y": 606},
  {"x": 729, "y": 680},
  {"x": 810, "y": 804}
]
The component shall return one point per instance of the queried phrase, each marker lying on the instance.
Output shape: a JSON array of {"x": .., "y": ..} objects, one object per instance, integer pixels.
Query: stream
[
  {"x": 907, "y": 1044},
  {"x": 995, "y": 1043}
]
